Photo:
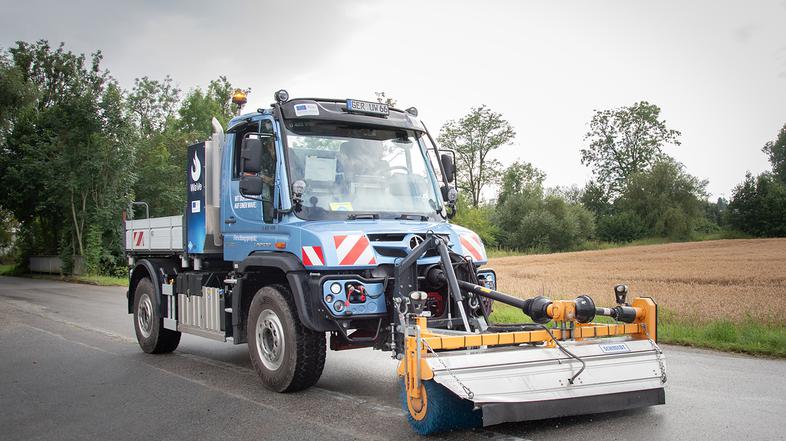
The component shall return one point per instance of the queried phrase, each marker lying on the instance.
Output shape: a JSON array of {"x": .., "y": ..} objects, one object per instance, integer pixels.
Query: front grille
[
  {"x": 396, "y": 245},
  {"x": 390, "y": 252},
  {"x": 386, "y": 237}
]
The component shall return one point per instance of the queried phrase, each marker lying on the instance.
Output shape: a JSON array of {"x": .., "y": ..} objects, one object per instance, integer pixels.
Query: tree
[
  {"x": 199, "y": 107},
  {"x": 153, "y": 104},
  {"x": 776, "y": 151},
  {"x": 160, "y": 145},
  {"x": 67, "y": 158},
  {"x": 596, "y": 199},
  {"x": 8, "y": 228},
  {"x": 518, "y": 178},
  {"x": 474, "y": 137},
  {"x": 625, "y": 141},
  {"x": 668, "y": 200},
  {"x": 758, "y": 206},
  {"x": 15, "y": 94},
  {"x": 571, "y": 194}
]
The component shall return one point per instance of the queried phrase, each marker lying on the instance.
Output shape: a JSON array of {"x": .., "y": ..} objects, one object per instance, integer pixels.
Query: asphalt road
[{"x": 70, "y": 368}]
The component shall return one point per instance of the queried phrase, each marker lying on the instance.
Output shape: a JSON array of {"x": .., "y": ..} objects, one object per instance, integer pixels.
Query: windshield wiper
[
  {"x": 355, "y": 216},
  {"x": 408, "y": 216}
]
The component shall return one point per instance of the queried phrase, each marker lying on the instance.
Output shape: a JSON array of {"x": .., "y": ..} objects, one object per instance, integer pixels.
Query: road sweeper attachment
[{"x": 466, "y": 372}]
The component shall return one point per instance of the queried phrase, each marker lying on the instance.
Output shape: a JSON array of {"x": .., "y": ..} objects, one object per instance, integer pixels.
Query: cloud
[
  {"x": 194, "y": 41},
  {"x": 744, "y": 33}
]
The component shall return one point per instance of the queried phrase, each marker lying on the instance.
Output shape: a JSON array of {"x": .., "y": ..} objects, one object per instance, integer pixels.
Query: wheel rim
[
  {"x": 270, "y": 340},
  {"x": 145, "y": 316}
]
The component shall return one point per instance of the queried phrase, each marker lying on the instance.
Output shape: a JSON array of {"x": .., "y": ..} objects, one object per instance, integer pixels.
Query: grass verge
[
  {"x": 592, "y": 245},
  {"x": 87, "y": 280},
  {"x": 744, "y": 336},
  {"x": 7, "y": 270}
]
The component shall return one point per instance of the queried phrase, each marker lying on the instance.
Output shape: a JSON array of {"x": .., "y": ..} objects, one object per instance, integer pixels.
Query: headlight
[{"x": 335, "y": 288}]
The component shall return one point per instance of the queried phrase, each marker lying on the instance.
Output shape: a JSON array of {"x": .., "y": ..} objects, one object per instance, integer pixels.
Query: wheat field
[{"x": 721, "y": 279}]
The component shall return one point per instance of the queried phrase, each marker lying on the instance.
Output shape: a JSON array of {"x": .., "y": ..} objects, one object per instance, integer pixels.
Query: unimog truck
[{"x": 326, "y": 222}]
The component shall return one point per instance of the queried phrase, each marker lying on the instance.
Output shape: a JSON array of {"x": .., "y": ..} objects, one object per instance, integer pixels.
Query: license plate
[{"x": 357, "y": 106}]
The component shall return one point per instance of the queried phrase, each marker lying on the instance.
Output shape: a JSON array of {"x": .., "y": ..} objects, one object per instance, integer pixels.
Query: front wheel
[
  {"x": 153, "y": 338},
  {"x": 286, "y": 355}
]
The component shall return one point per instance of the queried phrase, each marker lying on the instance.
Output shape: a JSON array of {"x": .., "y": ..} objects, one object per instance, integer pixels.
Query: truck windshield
[{"x": 354, "y": 172}]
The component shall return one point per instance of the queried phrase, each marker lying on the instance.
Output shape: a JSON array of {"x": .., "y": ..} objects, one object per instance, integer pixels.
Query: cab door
[{"x": 249, "y": 214}]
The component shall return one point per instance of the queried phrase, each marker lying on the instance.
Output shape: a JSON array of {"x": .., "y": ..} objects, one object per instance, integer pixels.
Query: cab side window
[
  {"x": 262, "y": 131},
  {"x": 240, "y": 134}
]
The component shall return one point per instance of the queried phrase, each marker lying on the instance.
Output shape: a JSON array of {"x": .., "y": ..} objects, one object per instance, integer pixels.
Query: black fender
[
  {"x": 307, "y": 300},
  {"x": 151, "y": 268}
]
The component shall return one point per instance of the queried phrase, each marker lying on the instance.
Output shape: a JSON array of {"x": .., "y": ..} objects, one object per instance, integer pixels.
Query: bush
[
  {"x": 674, "y": 224},
  {"x": 94, "y": 250},
  {"x": 668, "y": 200},
  {"x": 66, "y": 253},
  {"x": 621, "y": 227},
  {"x": 478, "y": 220},
  {"x": 530, "y": 222}
]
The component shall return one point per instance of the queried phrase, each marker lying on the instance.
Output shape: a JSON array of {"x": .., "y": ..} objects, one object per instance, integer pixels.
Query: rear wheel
[
  {"x": 438, "y": 410},
  {"x": 286, "y": 355},
  {"x": 153, "y": 338}
]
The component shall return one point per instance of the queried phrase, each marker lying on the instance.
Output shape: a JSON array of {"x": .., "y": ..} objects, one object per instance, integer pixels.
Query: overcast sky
[{"x": 716, "y": 68}]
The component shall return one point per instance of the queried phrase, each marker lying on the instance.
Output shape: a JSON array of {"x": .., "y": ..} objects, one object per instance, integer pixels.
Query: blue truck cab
[{"x": 300, "y": 221}]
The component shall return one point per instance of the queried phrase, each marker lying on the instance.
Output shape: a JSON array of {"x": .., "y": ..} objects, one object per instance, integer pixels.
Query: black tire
[
  {"x": 286, "y": 355},
  {"x": 153, "y": 338}
]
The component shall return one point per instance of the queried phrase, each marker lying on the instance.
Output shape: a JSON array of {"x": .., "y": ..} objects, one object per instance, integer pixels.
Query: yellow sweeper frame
[{"x": 414, "y": 369}]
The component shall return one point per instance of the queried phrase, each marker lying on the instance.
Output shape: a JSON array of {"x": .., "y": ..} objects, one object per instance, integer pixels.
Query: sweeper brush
[{"x": 466, "y": 372}]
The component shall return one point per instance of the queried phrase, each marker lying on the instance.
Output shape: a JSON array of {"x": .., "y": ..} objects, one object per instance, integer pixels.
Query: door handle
[{"x": 230, "y": 220}]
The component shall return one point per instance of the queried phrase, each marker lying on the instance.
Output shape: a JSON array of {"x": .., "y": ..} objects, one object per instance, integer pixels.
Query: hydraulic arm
[{"x": 495, "y": 374}]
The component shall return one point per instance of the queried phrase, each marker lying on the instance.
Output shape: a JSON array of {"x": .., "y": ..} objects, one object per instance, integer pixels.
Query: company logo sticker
[
  {"x": 615, "y": 347},
  {"x": 354, "y": 249},
  {"x": 308, "y": 109},
  {"x": 196, "y": 168}
]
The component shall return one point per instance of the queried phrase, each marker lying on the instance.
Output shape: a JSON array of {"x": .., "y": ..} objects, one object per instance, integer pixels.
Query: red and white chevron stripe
[
  {"x": 139, "y": 238},
  {"x": 354, "y": 249},
  {"x": 312, "y": 256},
  {"x": 473, "y": 245}
]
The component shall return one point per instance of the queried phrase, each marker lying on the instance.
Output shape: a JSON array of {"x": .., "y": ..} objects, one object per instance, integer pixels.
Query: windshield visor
[{"x": 360, "y": 172}]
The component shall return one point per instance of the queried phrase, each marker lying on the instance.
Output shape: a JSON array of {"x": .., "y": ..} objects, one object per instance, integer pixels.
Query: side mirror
[
  {"x": 251, "y": 185},
  {"x": 251, "y": 155},
  {"x": 450, "y": 195},
  {"x": 447, "y": 165}
]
